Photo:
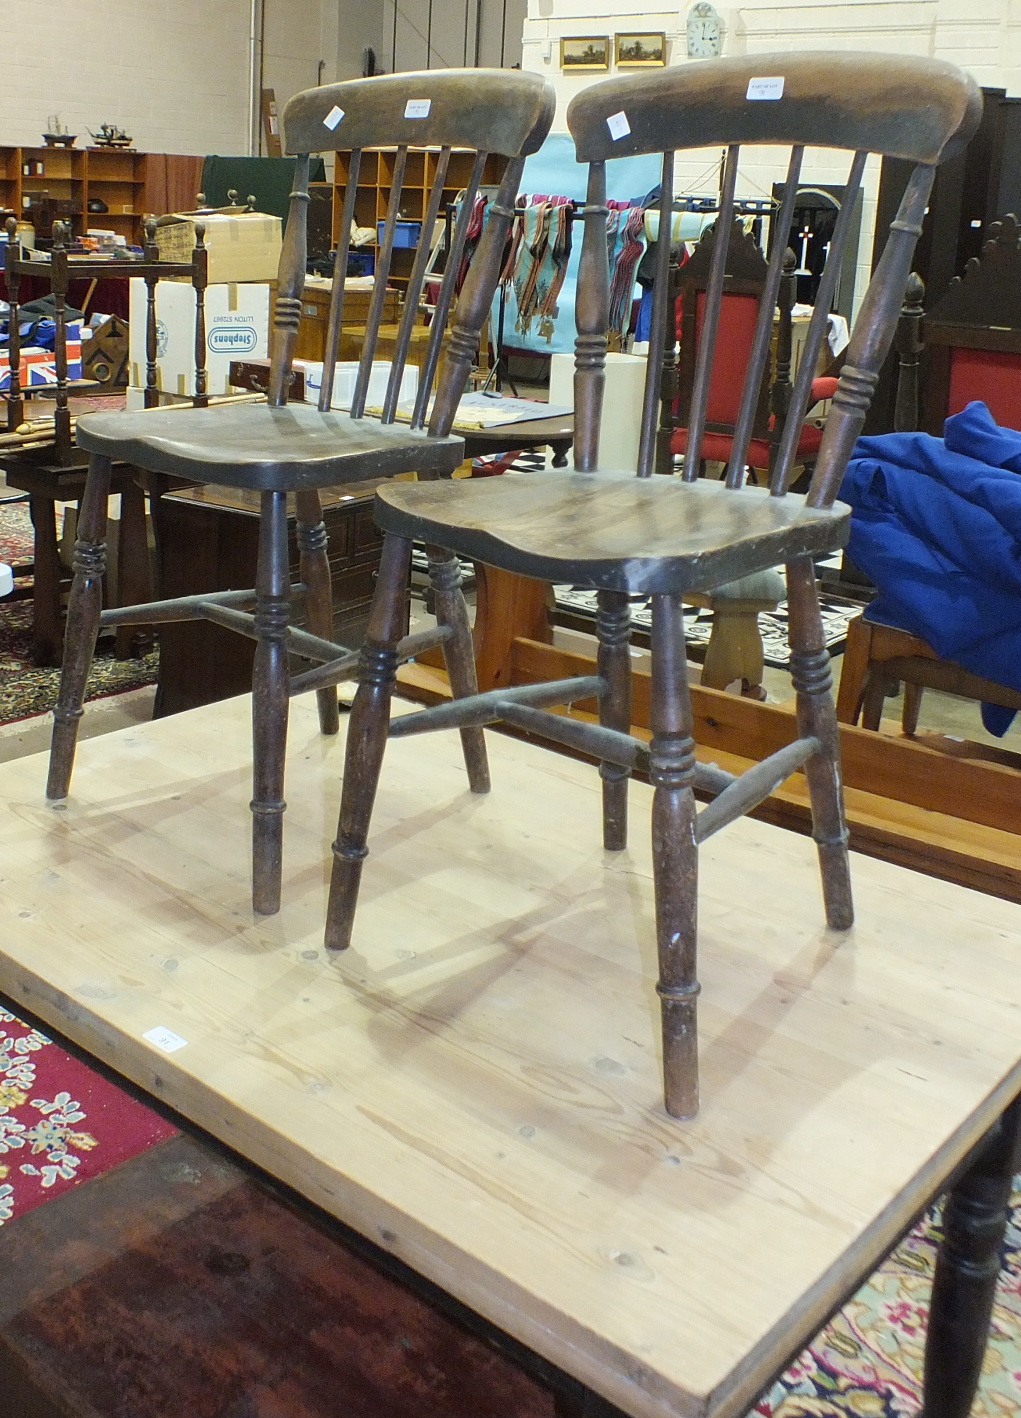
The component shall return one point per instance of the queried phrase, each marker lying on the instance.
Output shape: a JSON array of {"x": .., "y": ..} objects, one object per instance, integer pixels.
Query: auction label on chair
[
  {"x": 417, "y": 107},
  {"x": 333, "y": 118},
  {"x": 765, "y": 88},
  {"x": 618, "y": 125}
]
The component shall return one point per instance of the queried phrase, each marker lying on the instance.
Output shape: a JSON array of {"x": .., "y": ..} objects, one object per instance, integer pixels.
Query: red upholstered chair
[
  {"x": 743, "y": 285},
  {"x": 735, "y": 650},
  {"x": 971, "y": 349}
]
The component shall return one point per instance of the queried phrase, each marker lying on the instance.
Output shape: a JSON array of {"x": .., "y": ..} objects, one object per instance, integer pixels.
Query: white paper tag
[
  {"x": 333, "y": 118},
  {"x": 765, "y": 88},
  {"x": 165, "y": 1039},
  {"x": 618, "y": 125},
  {"x": 417, "y": 107}
]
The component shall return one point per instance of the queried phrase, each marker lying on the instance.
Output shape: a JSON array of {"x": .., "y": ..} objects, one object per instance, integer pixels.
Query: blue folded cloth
[{"x": 936, "y": 526}]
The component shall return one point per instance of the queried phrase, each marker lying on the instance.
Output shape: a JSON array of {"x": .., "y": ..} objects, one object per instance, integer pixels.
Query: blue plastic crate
[{"x": 406, "y": 233}]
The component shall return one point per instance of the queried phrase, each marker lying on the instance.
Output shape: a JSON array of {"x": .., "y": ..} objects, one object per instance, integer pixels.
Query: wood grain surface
[{"x": 475, "y": 1085}]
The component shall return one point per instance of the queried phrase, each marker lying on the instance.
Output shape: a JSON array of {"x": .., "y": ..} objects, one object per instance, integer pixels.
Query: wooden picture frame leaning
[
  {"x": 640, "y": 51},
  {"x": 585, "y": 52}
]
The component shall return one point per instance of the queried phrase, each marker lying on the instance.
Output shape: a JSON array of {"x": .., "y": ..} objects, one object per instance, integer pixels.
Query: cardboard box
[
  {"x": 237, "y": 324},
  {"x": 245, "y": 247},
  {"x": 38, "y": 367}
]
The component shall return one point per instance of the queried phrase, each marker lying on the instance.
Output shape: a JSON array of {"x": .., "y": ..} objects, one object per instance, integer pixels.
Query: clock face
[{"x": 704, "y": 40}]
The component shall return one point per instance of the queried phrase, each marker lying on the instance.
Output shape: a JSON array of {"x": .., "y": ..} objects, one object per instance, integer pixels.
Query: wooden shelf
[
  {"x": 375, "y": 180},
  {"x": 123, "y": 179}
]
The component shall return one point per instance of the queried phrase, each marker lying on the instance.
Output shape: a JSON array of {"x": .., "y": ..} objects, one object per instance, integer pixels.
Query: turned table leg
[{"x": 967, "y": 1268}]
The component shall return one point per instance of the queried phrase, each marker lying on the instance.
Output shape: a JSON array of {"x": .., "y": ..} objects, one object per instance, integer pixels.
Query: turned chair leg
[
  {"x": 674, "y": 854},
  {"x": 912, "y": 707},
  {"x": 816, "y": 716},
  {"x": 270, "y": 704},
  {"x": 82, "y": 625},
  {"x": 459, "y": 657},
  {"x": 366, "y": 737},
  {"x": 613, "y": 629},
  {"x": 314, "y": 570},
  {"x": 967, "y": 1268}
]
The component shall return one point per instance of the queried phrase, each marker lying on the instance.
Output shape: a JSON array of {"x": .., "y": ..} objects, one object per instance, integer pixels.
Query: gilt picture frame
[
  {"x": 580, "y": 53},
  {"x": 640, "y": 51}
]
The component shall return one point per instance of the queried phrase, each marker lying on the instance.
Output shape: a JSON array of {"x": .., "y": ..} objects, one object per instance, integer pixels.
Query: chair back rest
[
  {"x": 500, "y": 116},
  {"x": 920, "y": 110}
]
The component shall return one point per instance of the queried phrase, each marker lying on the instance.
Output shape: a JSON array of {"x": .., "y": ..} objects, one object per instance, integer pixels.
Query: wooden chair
[
  {"x": 969, "y": 347},
  {"x": 44, "y": 461},
  {"x": 280, "y": 449},
  {"x": 621, "y": 534}
]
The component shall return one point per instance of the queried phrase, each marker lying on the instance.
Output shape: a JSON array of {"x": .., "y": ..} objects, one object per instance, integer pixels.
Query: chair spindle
[
  {"x": 763, "y": 336},
  {"x": 336, "y": 318},
  {"x": 474, "y": 301},
  {"x": 290, "y": 284},
  {"x": 199, "y": 280},
  {"x": 711, "y": 318},
  {"x": 416, "y": 285},
  {"x": 802, "y": 396},
  {"x": 662, "y": 315},
  {"x": 379, "y": 286},
  {"x": 151, "y": 396},
  {"x": 591, "y": 316},
  {"x": 15, "y": 403},
  {"x": 446, "y": 298},
  {"x": 59, "y": 282}
]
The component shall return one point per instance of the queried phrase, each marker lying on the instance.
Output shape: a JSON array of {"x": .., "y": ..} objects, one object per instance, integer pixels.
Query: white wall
[
  {"x": 984, "y": 36},
  {"x": 174, "y": 75}
]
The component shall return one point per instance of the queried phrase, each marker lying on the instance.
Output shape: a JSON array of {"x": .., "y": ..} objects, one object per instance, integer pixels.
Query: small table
[
  {"x": 555, "y": 433},
  {"x": 475, "y": 1086}
]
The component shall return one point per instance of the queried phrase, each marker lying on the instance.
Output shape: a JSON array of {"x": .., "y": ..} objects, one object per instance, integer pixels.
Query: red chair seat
[{"x": 716, "y": 446}]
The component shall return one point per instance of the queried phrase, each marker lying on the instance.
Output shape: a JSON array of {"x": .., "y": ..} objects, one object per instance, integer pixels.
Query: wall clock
[{"x": 705, "y": 40}]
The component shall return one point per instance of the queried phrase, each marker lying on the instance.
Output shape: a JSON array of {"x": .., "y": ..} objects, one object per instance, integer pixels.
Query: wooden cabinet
[
  {"x": 375, "y": 181},
  {"x": 60, "y": 183},
  {"x": 315, "y": 314},
  {"x": 207, "y": 540}
]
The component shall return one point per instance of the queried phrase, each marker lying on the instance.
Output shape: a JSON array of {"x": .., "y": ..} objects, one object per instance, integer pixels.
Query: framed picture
[
  {"x": 640, "y": 51},
  {"x": 586, "y": 52}
]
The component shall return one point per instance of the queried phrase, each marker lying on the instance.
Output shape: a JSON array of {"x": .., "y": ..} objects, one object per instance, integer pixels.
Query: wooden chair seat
[
  {"x": 268, "y": 448},
  {"x": 612, "y": 530}
]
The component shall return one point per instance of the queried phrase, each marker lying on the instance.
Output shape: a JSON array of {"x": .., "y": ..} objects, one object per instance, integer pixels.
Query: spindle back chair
[
  {"x": 663, "y": 536},
  {"x": 281, "y": 449}
]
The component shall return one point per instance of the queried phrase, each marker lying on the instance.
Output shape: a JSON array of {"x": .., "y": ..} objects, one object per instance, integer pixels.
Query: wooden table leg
[
  {"x": 47, "y": 639},
  {"x": 967, "y": 1268}
]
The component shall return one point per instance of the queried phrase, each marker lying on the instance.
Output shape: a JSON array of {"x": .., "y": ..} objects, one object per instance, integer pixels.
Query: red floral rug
[{"x": 60, "y": 1122}]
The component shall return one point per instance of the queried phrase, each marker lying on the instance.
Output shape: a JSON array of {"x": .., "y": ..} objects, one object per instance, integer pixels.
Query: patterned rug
[
  {"x": 60, "y": 1123},
  {"x": 25, "y": 688},
  {"x": 698, "y": 624}
]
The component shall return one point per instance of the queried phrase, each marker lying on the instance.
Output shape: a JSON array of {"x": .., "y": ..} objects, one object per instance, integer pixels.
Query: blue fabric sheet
[{"x": 936, "y": 526}]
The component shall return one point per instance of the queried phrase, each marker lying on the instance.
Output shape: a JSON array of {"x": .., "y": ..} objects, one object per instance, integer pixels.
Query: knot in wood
[
  {"x": 671, "y": 760},
  {"x": 89, "y": 558},
  {"x": 377, "y": 664},
  {"x": 445, "y": 575},
  {"x": 810, "y": 672}
]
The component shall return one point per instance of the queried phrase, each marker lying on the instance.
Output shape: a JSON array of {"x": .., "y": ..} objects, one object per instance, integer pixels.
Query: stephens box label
[{"x": 232, "y": 339}]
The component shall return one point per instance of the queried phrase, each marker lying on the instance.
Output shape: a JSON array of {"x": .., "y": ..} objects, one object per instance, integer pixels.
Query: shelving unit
[
  {"x": 126, "y": 180},
  {"x": 375, "y": 180}
]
